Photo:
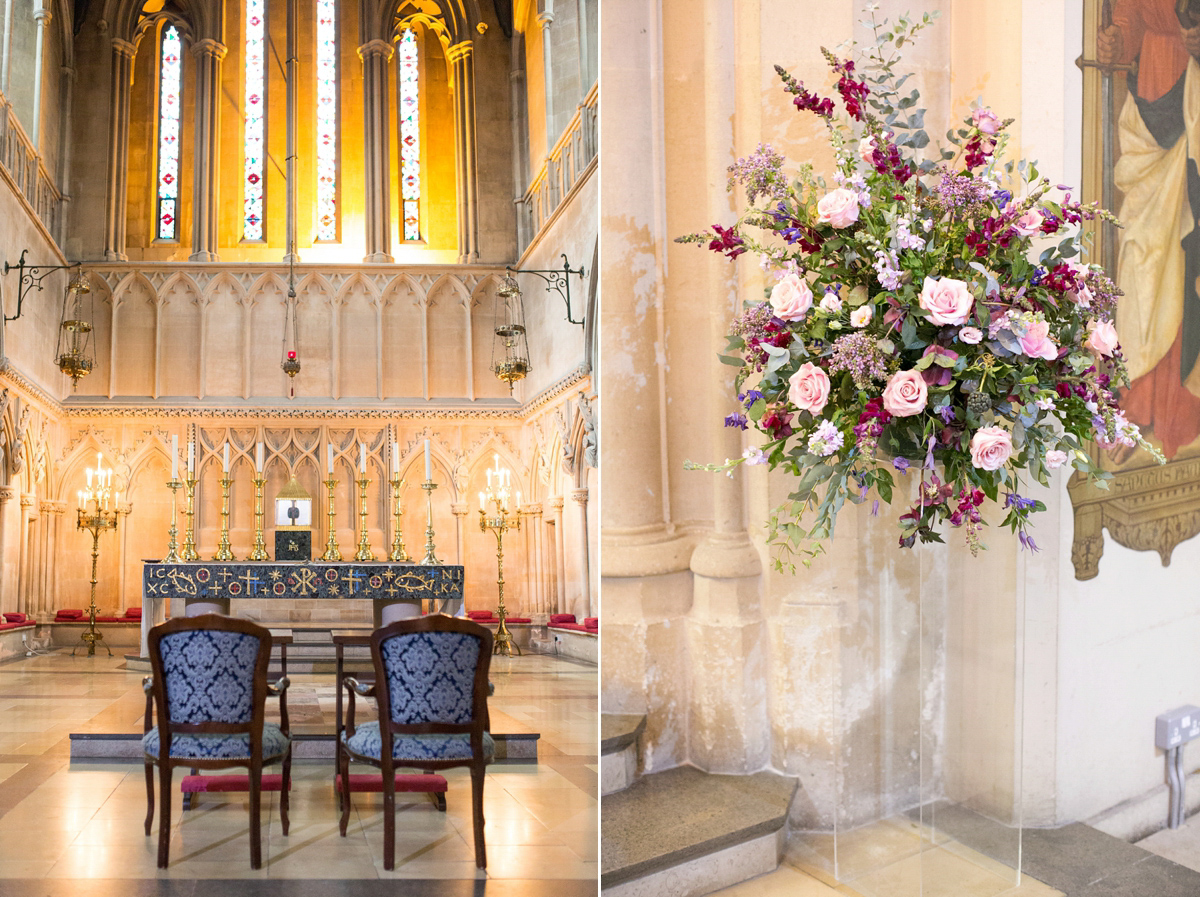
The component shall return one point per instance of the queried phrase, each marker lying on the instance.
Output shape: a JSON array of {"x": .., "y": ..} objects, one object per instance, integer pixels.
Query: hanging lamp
[
  {"x": 510, "y": 350},
  {"x": 74, "y": 353}
]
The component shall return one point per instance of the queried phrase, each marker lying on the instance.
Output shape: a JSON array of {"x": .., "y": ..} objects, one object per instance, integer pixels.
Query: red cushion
[
  {"x": 561, "y": 618},
  {"x": 15, "y": 618},
  {"x": 69, "y": 613},
  {"x": 574, "y": 627},
  {"x": 133, "y": 613},
  {"x": 108, "y": 619},
  {"x": 480, "y": 615},
  {"x": 517, "y": 620},
  {"x": 270, "y": 782},
  {"x": 591, "y": 622},
  {"x": 417, "y": 783}
]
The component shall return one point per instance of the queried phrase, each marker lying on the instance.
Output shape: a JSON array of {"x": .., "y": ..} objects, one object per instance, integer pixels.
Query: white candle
[
  {"x": 174, "y": 456},
  {"x": 395, "y": 459},
  {"x": 489, "y": 473},
  {"x": 258, "y": 458},
  {"x": 362, "y": 457},
  {"x": 428, "y": 463},
  {"x": 482, "y": 502},
  {"x": 329, "y": 460},
  {"x": 81, "y": 499},
  {"x": 117, "y": 502},
  {"x": 89, "y": 478},
  {"x": 225, "y": 458},
  {"x": 191, "y": 457},
  {"x": 518, "y": 499}
]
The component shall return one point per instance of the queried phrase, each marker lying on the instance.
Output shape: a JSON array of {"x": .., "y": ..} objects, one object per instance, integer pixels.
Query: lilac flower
[
  {"x": 737, "y": 419},
  {"x": 946, "y": 412},
  {"x": 859, "y": 353},
  {"x": 1027, "y": 541},
  {"x": 754, "y": 455},
  {"x": 1012, "y": 500},
  {"x": 761, "y": 174},
  {"x": 887, "y": 269},
  {"x": 826, "y": 440},
  {"x": 901, "y": 464}
]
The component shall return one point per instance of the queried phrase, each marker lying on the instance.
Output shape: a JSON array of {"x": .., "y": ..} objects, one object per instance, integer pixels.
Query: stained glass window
[
  {"x": 410, "y": 135},
  {"x": 327, "y": 120},
  {"x": 169, "y": 104},
  {"x": 255, "y": 121}
]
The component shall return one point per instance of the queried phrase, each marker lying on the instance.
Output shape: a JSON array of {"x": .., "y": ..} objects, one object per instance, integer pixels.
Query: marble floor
[{"x": 62, "y": 821}]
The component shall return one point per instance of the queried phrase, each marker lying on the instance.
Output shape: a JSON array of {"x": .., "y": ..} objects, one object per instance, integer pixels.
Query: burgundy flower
[{"x": 727, "y": 242}]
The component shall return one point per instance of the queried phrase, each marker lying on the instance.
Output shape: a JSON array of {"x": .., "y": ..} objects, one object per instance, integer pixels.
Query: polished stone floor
[{"x": 63, "y": 821}]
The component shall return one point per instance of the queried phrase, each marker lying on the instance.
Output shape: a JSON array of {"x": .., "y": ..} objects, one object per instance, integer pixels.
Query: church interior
[{"x": 332, "y": 259}]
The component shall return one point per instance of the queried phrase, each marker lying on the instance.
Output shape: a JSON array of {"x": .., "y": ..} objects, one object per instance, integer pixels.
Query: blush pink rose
[
  {"x": 838, "y": 208},
  {"x": 905, "y": 394},
  {"x": 861, "y": 316},
  {"x": 808, "y": 388},
  {"x": 972, "y": 336},
  {"x": 1036, "y": 342},
  {"x": 866, "y": 149},
  {"x": 985, "y": 120},
  {"x": 791, "y": 298},
  {"x": 831, "y": 304},
  {"x": 947, "y": 300},
  {"x": 1028, "y": 224},
  {"x": 1055, "y": 459},
  {"x": 991, "y": 447},
  {"x": 1102, "y": 337}
]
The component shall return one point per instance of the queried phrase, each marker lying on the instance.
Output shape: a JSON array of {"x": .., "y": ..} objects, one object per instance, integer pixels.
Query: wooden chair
[
  {"x": 209, "y": 687},
  {"x": 431, "y": 687}
]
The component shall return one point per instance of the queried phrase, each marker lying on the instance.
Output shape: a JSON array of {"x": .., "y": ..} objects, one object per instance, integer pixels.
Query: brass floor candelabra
[
  {"x": 332, "y": 552},
  {"x": 97, "y": 520},
  {"x": 499, "y": 523},
  {"x": 398, "y": 554}
]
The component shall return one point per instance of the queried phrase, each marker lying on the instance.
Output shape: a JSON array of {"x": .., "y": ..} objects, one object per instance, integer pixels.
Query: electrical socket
[{"x": 1177, "y": 726}]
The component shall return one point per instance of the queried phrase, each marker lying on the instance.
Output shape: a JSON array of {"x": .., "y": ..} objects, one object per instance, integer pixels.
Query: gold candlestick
[
  {"x": 223, "y": 552},
  {"x": 96, "y": 521},
  {"x": 172, "y": 556},
  {"x": 260, "y": 546},
  {"x": 430, "y": 558},
  {"x": 331, "y": 545},
  {"x": 364, "y": 552},
  {"x": 398, "y": 555},
  {"x": 499, "y": 523},
  {"x": 189, "y": 536}
]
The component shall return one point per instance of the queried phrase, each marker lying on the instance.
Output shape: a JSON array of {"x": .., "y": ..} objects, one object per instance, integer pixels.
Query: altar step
[
  {"x": 620, "y": 750},
  {"x": 684, "y": 833}
]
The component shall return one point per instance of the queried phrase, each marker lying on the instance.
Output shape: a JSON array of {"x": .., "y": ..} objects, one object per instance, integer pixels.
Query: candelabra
[
  {"x": 364, "y": 552},
  {"x": 189, "y": 536},
  {"x": 430, "y": 558},
  {"x": 95, "y": 516},
  {"x": 332, "y": 553},
  {"x": 398, "y": 554},
  {"x": 173, "y": 556},
  {"x": 499, "y": 522},
  {"x": 259, "y": 553},
  {"x": 223, "y": 551}
]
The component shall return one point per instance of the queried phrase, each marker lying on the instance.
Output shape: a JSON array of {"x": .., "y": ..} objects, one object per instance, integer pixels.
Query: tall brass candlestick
[
  {"x": 332, "y": 553},
  {"x": 364, "y": 552},
  {"x": 172, "y": 556},
  {"x": 430, "y": 558},
  {"x": 260, "y": 546},
  {"x": 223, "y": 552},
  {"x": 96, "y": 521},
  {"x": 398, "y": 555},
  {"x": 189, "y": 535},
  {"x": 500, "y": 523}
]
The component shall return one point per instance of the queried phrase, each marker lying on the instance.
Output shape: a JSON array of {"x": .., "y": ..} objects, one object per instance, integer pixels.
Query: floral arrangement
[{"x": 928, "y": 314}]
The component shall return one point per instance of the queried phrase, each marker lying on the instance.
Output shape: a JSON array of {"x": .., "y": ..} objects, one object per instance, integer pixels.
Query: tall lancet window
[
  {"x": 255, "y": 135},
  {"x": 327, "y": 120},
  {"x": 170, "y": 83},
  {"x": 410, "y": 135}
]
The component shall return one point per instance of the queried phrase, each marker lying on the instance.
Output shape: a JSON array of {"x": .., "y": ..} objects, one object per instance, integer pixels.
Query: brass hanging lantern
[
  {"x": 74, "y": 353},
  {"x": 510, "y": 351}
]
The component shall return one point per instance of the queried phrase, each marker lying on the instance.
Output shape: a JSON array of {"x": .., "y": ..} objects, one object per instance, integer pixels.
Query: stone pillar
[
  {"x": 546, "y": 19},
  {"x": 54, "y": 525},
  {"x": 538, "y": 567},
  {"x": 25, "y": 570},
  {"x": 462, "y": 61},
  {"x": 7, "y": 494},
  {"x": 375, "y": 55},
  {"x": 559, "y": 598},
  {"x": 460, "y": 510},
  {"x": 67, "y": 101},
  {"x": 207, "y": 153},
  {"x": 520, "y": 137},
  {"x": 118, "y": 151},
  {"x": 41, "y": 18},
  {"x": 580, "y": 497}
]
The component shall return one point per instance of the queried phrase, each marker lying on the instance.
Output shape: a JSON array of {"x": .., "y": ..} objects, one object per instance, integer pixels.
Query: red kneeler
[
  {"x": 196, "y": 784},
  {"x": 433, "y": 785}
]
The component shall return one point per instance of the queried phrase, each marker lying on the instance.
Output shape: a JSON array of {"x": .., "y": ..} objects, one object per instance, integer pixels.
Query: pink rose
[
  {"x": 985, "y": 120},
  {"x": 791, "y": 298},
  {"x": 1055, "y": 459},
  {"x": 991, "y": 448},
  {"x": 866, "y": 149},
  {"x": 905, "y": 394},
  {"x": 838, "y": 208},
  {"x": 1081, "y": 297},
  {"x": 861, "y": 316},
  {"x": 1036, "y": 342},
  {"x": 970, "y": 335},
  {"x": 1102, "y": 337},
  {"x": 1028, "y": 224},
  {"x": 947, "y": 300},
  {"x": 831, "y": 304},
  {"x": 808, "y": 388}
]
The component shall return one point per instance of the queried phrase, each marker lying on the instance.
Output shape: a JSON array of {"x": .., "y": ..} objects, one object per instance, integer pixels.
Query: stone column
[
  {"x": 559, "y": 598},
  {"x": 118, "y": 150},
  {"x": 375, "y": 55},
  {"x": 462, "y": 61},
  {"x": 538, "y": 566},
  {"x": 7, "y": 494},
  {"x": 206, "y": 156},
  {"x": 520, "y": 137},
  {"x": 66, "y": 98},
  {"x": 41, "y": 18},
  {"x": 580, "y": 497},
  {"x": 56, "y": 510},
  {"x": 25, "y": 570},
  {"x": 546, "y": 19},
  {"x": 460, "y": 509}
]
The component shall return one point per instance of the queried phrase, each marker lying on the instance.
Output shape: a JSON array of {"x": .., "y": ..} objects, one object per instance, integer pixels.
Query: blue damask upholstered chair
[
  {"x": 209, "y": 689},
  {"x": 431, "y": 688}
]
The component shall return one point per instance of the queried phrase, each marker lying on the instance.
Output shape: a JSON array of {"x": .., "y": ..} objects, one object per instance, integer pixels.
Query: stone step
[
  {"x": 683, "y": 832},
  {"x": 620, "y": 750}
]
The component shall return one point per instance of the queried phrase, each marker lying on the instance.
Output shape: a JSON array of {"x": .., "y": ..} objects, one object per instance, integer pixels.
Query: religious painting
[{"x": 1141, "y": 143}]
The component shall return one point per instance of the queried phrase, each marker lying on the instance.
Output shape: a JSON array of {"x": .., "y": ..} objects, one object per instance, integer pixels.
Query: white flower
[
  {"x": 754, "y": 455},
  {"x": 861, "y": 316}
]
